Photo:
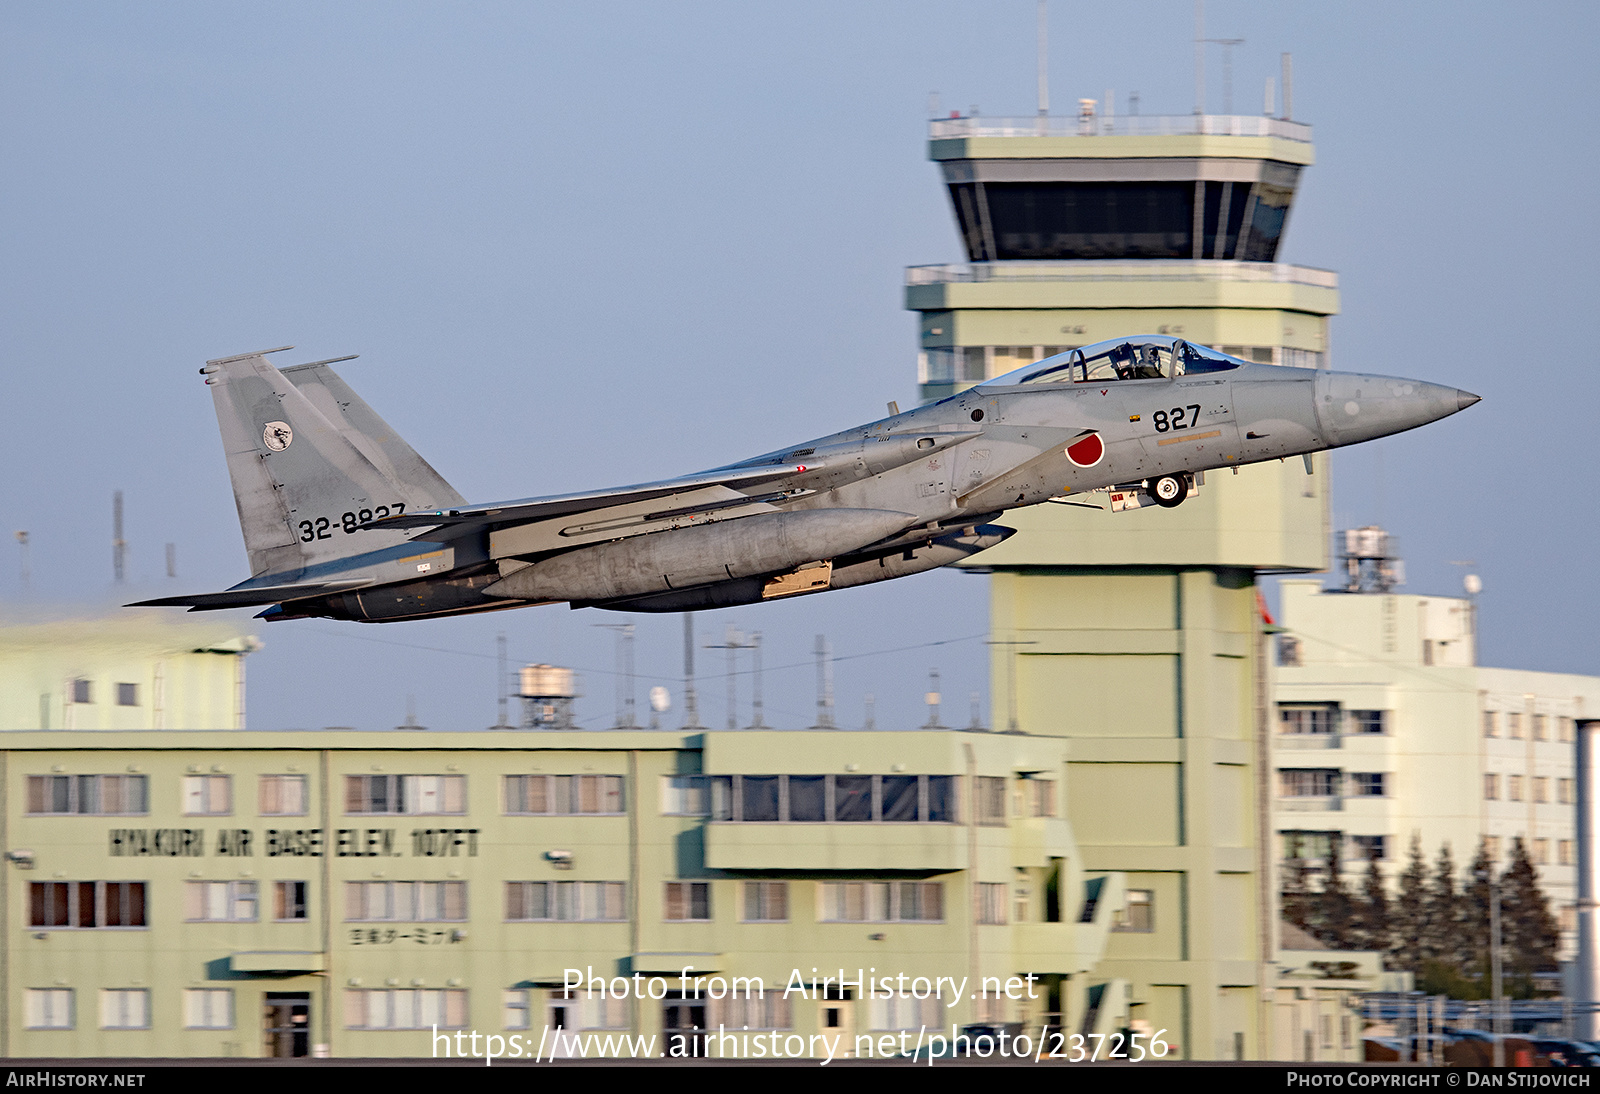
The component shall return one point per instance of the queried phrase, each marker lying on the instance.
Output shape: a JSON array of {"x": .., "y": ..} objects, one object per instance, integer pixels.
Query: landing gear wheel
[{"x": 1169, "y": 491}]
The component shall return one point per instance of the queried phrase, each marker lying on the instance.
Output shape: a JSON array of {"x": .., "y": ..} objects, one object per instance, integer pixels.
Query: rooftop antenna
[
  {"x": 1227, "y": 45},
  {"x": 411, "y": 714},
  {"x": 624, "y": 671},
  {"x": 932, "y": 698},
  {"x": 1044, "y": 51},
  {"x": 691, "y": 706},
  {"x": 977, "y": 712},
  {"x": 872, "y": 713},
  {"x": 502, "y": 678},
  {"x": 118, "y": 544},
  {"x": 733, "y": 642},
  {"x": 172, "y": 560},
  {"x": 1011, "y": 644},
  {"x": 758, "y": 720},
  {"x": 1199, "y": 56},
  {"x": 1269, "y": 102},
  {"x": 27, "y": 571},
  {"x": 1288, "y": 88},
  {"x": 824, "y": 653}
]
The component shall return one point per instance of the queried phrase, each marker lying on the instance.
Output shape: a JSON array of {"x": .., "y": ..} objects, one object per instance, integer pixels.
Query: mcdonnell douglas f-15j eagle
[{"x": 342, "y": 519}]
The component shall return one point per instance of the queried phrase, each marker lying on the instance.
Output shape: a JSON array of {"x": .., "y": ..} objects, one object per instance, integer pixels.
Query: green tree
[
  {"x": 1409, "y": 914},
  {"x": 1333, "y": 917},
  {"x": 1442, "y": 940},
  {"x": 1373, "y": 927},
  {"x": 1472, "y": 957},
  {"x": 1529, "y": 933},
  {"x": 1297, "y": 895}
]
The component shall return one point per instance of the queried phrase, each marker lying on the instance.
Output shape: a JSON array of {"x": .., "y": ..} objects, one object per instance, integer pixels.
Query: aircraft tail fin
[{"x": 310, "y": 462}]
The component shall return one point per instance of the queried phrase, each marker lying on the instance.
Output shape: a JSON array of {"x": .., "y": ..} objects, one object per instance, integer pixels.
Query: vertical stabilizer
[{"x": 310, "y": 464}]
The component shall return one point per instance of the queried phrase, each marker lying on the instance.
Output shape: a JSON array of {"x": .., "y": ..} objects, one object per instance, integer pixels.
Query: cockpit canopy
[{"x": 1142, "y": 357}]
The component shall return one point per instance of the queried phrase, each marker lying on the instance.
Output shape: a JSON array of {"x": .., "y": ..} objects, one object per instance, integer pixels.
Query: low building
[
  {"x": 1388, "y": 727},
  {"x": 192, "y": 894},
  {"x": 130, "y": 670}
]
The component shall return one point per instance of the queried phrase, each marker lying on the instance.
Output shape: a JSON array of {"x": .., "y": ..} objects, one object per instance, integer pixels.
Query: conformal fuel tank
[{"x": 688, "y": 557}]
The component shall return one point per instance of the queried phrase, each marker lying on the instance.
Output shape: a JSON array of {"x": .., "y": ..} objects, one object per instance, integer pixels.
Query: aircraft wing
[
  {"x": 532, "y": 509},
  {"x": 251, "y": 597}
]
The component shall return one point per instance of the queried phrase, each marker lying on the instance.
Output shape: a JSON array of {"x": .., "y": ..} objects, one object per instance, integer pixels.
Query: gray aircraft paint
[{"x": 343, "y": 519}]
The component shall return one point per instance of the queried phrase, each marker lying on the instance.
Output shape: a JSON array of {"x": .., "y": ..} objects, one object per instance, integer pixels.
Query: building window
[
  {"x": 1491, "y": 847},
  {"x": 570, "y": 1009},
  {"x": 288, "y": 901},
  {"x": 1514, "y": 788},
  {"x": 283, "y": 795},
  {"x": 1514, "y": 725},
  {"x": 881, "y": 902},
  {"x": 770, "y": 1011},
  {"x": 207, "y": 795},
  {"x": 1308, "y": 783},
  {"x": 127, "y": 695},
  {"x": 1541, "y": 789},
  {"x": 1367, "y": 784},
  {"x": 1038, "y": 797},
  {"x": 514, "y": 1009},
  {"x": 207, "y": 1008},
  {"x": 47, "y": 1008},
  {"x": 219, "y": 901},
  {"x": 86, "y": 904},
  {"x": 82, "y": 691},
  {"x": 401, "y": 1008},
  {"x": 1569, "y": 918},
  {"x": 405, "y": 901},
  {"x": 1288, "y": 651},
  {"x": 96, "y": 795},
  {"x": 405, "y": 794},
  {"x": 1312, "y": 718},
  {"x": 684, "y": 796},
  {"x": 1369, "y": 721},
  {"x": 1564, "y": 792},
  {"x": 125, "y": 1008},
  {"x": 841, "y": 799},
  {"x": 563, "y": 795},
  {"x": 1540, "y": 731},
  {"x": 991, "y": 897},
  {"x": 1541, "y": 852},
  {"x": 1565, "y": 852},
  {"x": 1491, "y": 788},
  {"x": 687, "y": 900},
  {"x": 1565, "y": 729},
  {"x": 1491, "y": 726},
  {"x": 989, "y": 800},
  {"x": 766, "y": 902},
  {"x": 1370, "y": 848},
  {"x": 1138, "y": 912},
  {"x": 898, "y": 1013},
  {"x": 566, "y": 901}
]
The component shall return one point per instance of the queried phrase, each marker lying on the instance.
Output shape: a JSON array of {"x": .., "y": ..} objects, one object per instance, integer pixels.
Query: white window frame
[
  {"x": 201, "y": 1008},
  {"x": 48, "y": 1008},
  {"x": 124, "y": 1008},
  {"x": 271, "y": 795},
  {"x": 208, "y": 795},
  {"x": 404, "y": 901},
  {"x": 221, "y": 901}
]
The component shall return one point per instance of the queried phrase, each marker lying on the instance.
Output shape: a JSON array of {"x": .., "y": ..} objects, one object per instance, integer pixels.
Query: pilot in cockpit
[
  {"x": 1149, "y": 363},
  {"x": 1122, "y": 361}
]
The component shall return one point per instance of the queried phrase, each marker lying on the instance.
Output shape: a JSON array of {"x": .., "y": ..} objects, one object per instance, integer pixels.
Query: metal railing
[
  {"x": 1127, "y": 125},
  {"x": 1322, "y": 804},
  {"x": 1097, "y": 269},
  {"x": 1308, "y": 740}
]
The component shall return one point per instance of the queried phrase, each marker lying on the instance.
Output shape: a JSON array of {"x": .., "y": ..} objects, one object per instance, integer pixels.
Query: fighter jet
[{"x": 343, "y": 520}]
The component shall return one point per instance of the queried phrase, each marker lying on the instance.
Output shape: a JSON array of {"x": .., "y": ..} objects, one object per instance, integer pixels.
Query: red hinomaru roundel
[{"x": 1087, "y": 450}]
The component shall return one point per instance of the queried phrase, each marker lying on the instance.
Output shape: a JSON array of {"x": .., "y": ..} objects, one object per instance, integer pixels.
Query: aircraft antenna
[
  {"x": 118, "y": 544},
  {"x": 824, "y": 654},
  {"x": 27, "y": 572},
  {"x": 624, "y": 672}
]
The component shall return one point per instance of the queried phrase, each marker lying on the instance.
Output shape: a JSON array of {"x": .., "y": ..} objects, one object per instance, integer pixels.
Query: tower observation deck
[{"x": 1136, "y": 633}]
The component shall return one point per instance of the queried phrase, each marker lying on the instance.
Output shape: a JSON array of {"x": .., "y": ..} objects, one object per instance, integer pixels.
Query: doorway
[{"x": 287, "y": 1024}]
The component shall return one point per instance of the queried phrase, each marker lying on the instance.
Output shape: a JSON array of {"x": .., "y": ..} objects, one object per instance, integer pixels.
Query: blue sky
[{"x": 585, "y": 244}]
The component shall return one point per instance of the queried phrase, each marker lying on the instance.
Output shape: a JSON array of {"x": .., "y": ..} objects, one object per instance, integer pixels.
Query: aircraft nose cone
[
  {"x": 1465, "y": 399},
  {"x": 1355, "y": 407}
]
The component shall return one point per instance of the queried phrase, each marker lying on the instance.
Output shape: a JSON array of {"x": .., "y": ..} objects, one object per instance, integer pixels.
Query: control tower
[{"x": 1136, "y": 633}]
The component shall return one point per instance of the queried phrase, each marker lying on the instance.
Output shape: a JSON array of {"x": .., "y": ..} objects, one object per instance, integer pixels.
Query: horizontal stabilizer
[{"x": 247, "y": 598}]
